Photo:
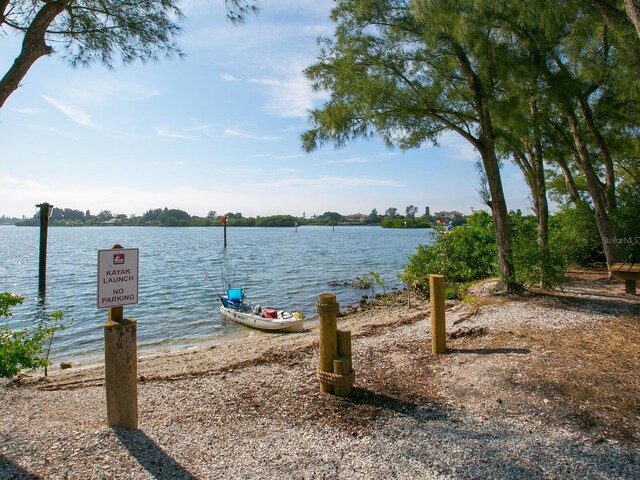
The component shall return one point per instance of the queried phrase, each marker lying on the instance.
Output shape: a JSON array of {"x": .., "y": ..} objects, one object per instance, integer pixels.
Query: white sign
[{"x": 117, "y": 277}]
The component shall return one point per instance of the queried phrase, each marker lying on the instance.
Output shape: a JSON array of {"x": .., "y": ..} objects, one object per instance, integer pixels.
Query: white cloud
[
  {"x": 164, "y": 132},
  {"x": 15, "y": 194},
  {"x": 292, "y": 97},
  {"x": 266, "y": 81},
  {"x": 232, "y": 132},
  {"x": 318, "y": 30},
  {"x": 333, "y": 182},
  {"x": 75, "y": 114},
  {"x": 457, "y": 147},
  {"x": 353, "y": 160},
  {"x": 25, "y": 110},
  {"x": 289, "y": 157},
  {"x": 107, "y": 92}
]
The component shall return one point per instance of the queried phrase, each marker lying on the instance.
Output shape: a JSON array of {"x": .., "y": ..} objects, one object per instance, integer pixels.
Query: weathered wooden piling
[
  {"x": 438, "y": 326},
  {"x": 335, "y": 372},
  {"x": 45, "y": 210},
  {"x": 328, "y": 309}
]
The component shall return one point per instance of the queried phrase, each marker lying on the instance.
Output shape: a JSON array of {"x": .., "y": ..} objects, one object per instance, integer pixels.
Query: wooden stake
[
  {"x": 328, "y": 310},
  {"x": 438, "y": 326}
]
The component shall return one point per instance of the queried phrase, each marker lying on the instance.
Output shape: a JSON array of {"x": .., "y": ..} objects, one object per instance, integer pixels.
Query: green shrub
[
  {"x": 21, "y": 349},
  {"x": 574, "y": 235},
  {"x": 467, "y": 254},
  {"x": 535, "y": 265},
  {"x": 462, "y": 255},
  {"x": 626, "y": 219},
  {"x": 372, "y": 279}
]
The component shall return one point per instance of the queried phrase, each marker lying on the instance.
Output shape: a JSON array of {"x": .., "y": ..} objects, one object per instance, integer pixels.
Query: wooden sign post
[
  {"x": 118, "y": 285},
  {"x": 121, "y": 370}
]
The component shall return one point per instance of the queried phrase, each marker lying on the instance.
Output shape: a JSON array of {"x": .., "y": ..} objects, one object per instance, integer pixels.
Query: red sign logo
[
  {"x": 118, "y": 258},
  {"x": 224, "y": 219}
]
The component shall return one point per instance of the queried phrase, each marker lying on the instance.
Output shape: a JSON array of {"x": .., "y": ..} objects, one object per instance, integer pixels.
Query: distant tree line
[
  {"x": 166, "y": 217},
  {"x": 9, "y": 220}
]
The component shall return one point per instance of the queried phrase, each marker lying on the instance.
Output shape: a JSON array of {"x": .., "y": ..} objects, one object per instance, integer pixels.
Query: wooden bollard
[
  {"x": 438, "y": 326},
  {"x": 328, "y": 309},
  {"x": 342, "y": 364}
]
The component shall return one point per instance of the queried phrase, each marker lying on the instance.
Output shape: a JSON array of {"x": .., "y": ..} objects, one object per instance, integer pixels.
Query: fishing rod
[{"x": 206, "y": 274}]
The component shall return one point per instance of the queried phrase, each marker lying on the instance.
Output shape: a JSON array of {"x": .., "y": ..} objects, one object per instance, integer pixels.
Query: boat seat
[{"x": 235, "y": 295}]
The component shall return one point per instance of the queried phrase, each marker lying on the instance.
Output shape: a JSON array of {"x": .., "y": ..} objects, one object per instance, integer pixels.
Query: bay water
[{"x": 181, "y": 270}]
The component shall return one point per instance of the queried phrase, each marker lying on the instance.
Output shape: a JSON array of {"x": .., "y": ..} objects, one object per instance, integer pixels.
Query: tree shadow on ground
[
  {"x": 150, "y": 456},
  {"x": 10, "y": 469}
]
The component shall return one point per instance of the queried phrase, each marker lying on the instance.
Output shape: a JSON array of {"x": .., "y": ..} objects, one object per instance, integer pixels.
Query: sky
[{"x": 216, "y": 131}]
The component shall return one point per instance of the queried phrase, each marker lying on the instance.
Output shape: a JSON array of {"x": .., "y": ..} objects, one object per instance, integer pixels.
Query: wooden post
[
  {"x": 328, "y": 309},
  {"x": 343, "y": 364},
  {"x": 438, "y": 326},
  {"x": 44, "y": 229},
  {"x": 121, "y": 369}
]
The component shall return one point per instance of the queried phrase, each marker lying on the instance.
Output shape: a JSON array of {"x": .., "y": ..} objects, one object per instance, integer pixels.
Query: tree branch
[{"x": 33, "y": 47}]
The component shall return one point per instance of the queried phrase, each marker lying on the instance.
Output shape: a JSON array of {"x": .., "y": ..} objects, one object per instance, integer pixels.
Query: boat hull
[{"x": 256, "y": 321}]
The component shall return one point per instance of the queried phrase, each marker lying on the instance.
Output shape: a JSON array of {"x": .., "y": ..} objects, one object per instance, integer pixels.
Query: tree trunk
[
  {"x": 541, "y": 206},
  {"x": 610, "y": 179},
  {"x": 540, "y": 191},
  {"x": 605, "y": 229},
  {"x": 568, "y": 179},
  {"x": 486, "y": 146},
  {"x": 33, "y": 47},
  {"x": 506, "y": 269},
  {"x": 633, "y": 12}
]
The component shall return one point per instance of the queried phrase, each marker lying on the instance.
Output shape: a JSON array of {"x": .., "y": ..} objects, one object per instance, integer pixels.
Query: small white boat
[{"x": 235, "y": 308}]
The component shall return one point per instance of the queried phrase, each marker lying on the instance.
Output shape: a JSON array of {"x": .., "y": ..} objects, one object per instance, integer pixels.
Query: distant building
[
  {"x": 448, "y": 215},
  {"x": 355, "y": 218}
]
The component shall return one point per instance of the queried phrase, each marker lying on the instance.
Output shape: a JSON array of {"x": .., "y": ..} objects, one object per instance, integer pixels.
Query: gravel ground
[{"x": 252, "y": 408}]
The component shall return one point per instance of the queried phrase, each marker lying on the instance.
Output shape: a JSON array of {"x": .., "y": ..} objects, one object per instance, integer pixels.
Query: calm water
[{"x": 180, "y": 270}]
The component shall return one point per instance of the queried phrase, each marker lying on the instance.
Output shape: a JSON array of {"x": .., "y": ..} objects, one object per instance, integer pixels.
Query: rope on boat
[{"x": 329, "y": 378}]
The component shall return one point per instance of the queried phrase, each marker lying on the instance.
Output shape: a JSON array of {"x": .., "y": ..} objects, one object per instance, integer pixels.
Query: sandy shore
[{"x": 252, "y": 408}]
